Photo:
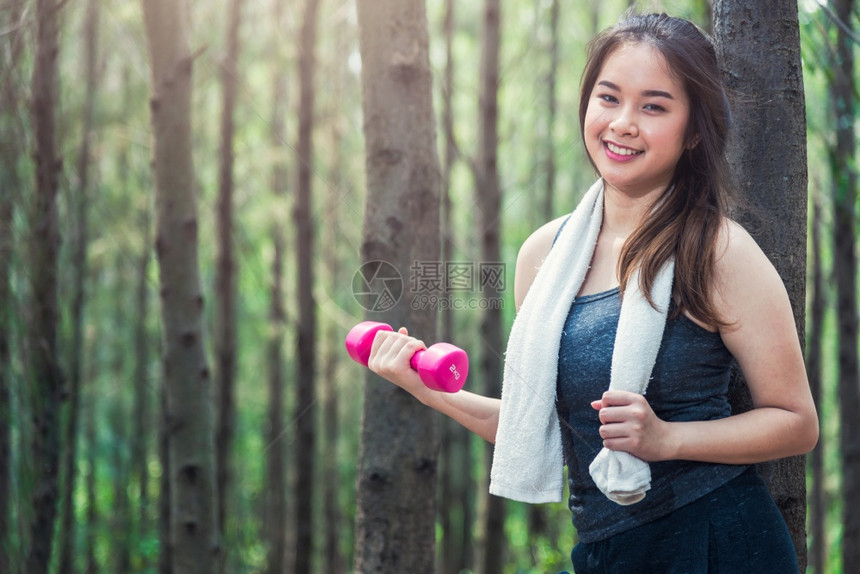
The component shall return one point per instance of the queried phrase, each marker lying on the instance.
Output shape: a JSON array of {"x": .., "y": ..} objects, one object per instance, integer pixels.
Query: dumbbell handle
[{"x": 441, "y": 367}]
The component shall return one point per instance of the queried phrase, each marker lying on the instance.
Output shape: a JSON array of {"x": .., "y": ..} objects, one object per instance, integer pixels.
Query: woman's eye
[
  {"x": 608, "y": 98},
  {"x": 654, "y": 108}
]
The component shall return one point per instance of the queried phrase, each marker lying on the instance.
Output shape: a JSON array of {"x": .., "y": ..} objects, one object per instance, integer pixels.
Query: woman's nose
[{"x": 624, "y": 122}]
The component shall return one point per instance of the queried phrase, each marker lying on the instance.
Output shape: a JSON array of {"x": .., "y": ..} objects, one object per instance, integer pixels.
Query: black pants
[{"x": 737, "y": 529}]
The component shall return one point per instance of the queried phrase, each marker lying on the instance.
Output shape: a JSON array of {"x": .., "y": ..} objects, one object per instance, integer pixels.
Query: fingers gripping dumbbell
[{"x": 442, "y": 367}]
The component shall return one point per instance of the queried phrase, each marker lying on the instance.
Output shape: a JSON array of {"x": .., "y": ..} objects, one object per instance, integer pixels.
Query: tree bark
[
  {"x": 80, "y": 270},
  {"x": 759, "y": 48},
  {"x": 225, "y": 284},
  {"x": 10, "y": 180},
  {"x": 818, "y": 504},
  {"x": 306, "y": 411},
  {"x": 492, "y": 542},
  {"x": 395, "y": 506},
  {"x": 193, "y": 531},
  {"x": 45, "y": 375},
  {"x": 844, "y": 182},
  {"x": 275, "y": 508}
]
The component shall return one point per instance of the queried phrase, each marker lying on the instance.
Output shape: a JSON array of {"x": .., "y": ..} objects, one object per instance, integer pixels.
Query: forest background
[{"x": 279, "y": 192}]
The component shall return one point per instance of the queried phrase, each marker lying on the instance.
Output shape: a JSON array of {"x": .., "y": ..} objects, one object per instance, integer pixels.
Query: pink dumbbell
[{"x": 442, "y": 367}]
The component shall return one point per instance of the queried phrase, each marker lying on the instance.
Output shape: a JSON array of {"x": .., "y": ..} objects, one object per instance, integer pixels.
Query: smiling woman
[
  {"x": 652, "y": 235},
  {"x": 636, "y": 122}
]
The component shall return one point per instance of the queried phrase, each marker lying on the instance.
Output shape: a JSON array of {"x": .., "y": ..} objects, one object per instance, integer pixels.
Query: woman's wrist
[{"x": 672, "y": 443}]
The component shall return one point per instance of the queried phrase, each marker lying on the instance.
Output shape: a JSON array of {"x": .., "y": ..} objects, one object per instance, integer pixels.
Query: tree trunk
[
  {"x": 549, "y": 162},
  {"x": 306, "y": 412},
  {"x": 225, "y": 285},
  {"x": 10, "y": 181},
  {"x": 844, "y": 181},
  {"x": 818, "y": 504},
  {"x": 538, "y": 522},
  {"x": 456, "y": 508},
  {"x": 142, "y": 420},
  {"x": 395, "y": 506},
  {"x": 92, "y": 513},
  {"x": 275, "y": 508},
  {"x": 79, "y": 267},
  {"x": 492, "y": 544},
  {"x": 115, "y": 412},
  {"x": 165, "y": 555},
  {"x": 759, "y": 48},
  {"x": 45, "y": 376},
  {"x": 334, "y": 562},
  {"x": 333, "y": 516},
  {"x": 193, "y": 531}
]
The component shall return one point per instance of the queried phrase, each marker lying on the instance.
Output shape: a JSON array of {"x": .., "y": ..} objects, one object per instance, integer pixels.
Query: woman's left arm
[{"x": 761, "y": 334}]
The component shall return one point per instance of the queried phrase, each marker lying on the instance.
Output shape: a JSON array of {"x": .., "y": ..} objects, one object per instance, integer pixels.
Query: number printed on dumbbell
[{"x": 453, "y": 369}]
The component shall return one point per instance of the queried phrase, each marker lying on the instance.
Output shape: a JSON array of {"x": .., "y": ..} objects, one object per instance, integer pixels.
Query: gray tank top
[{"x": 689, "y": 382}]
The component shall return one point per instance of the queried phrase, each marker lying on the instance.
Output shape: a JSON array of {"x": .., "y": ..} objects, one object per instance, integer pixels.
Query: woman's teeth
[{"x": 621, "y": 150}]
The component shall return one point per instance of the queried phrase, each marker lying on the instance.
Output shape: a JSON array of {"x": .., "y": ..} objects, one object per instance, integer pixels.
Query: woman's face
[{"x": 636, "y": 120}]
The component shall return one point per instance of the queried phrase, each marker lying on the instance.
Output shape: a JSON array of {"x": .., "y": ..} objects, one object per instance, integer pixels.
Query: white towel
[{"x": 528, "y": 460}]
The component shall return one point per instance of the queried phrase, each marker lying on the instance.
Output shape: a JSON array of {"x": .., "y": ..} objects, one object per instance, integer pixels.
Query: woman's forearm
[
  {"x": 477, "y": 413},
  {"x": 758, "y": 435}
]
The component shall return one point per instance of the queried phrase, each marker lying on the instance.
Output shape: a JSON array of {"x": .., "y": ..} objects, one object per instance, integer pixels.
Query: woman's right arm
[
  {"x": 392, "y": 351},
  {"x": 390, "y": 358}
]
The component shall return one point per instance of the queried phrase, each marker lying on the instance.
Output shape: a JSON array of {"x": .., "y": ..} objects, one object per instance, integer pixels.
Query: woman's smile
[{"x": 620, "y": 153}]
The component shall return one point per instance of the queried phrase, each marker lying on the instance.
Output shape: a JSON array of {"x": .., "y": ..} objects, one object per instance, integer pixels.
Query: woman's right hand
[{"x": 390, "y": 357}]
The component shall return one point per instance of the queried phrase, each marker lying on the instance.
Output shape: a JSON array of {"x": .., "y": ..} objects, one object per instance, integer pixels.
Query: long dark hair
[{"x": 686, "y": 223}]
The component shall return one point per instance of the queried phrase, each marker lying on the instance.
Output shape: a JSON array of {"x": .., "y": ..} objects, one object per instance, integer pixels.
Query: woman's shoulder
[
  {"x": 531, "y": 255},
  {"x": 736, "y": 250},
  {"x": 745, "y": 279}
]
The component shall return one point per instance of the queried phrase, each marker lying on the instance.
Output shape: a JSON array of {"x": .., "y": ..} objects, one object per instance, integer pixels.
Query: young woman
[{"x": 655, "y": 120}]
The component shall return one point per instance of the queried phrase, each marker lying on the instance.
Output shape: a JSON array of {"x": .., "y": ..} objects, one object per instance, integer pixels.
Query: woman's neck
[{"x": 624, "y": 212}]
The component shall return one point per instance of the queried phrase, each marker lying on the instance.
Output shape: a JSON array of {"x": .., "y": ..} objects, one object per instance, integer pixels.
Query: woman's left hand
[{"x": 629, "y": 424}]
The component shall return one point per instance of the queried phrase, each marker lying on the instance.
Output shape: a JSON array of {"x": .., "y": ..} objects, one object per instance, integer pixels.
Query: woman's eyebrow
[{"x": 646, "y": 93}]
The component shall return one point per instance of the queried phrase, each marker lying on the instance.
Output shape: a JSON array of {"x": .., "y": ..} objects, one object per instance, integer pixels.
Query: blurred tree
[
  {"x": 844, "y": 180},
  {"x": 141, "y": 435},
  {"x": 225, "y": 284},
  {"x": 491, "y": 538},
  {"x": 93, "y": 463},
  {"x": 80, "y": 243},
  {"x": 818, "y": 504},
  {"x": 551, "y": 105},
  {"x": 11, "y": 136},
  {"x": 456, "y": 495},
  {"x": 306, "y": 396},
  {"x": 45, "y": 376},
  {"x": 395, "y": 506},
  {"x": 332, "y": 346},
  {"x": 193, "y": 541},
  {"x": 759, "y": 48},
  {"x": 275, "y": 507}
]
